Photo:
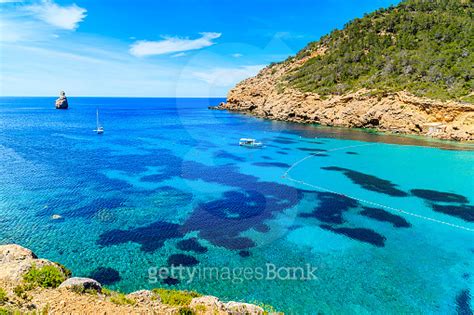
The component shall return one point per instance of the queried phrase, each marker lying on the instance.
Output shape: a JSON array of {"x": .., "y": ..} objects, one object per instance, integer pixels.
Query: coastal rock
[
  {"x": 211, "y": 304},
  {"x": 218, "y": 107},
  {"x": 61, "y": 102},
  {"x": 16, "y": 260},
  {"x": 83, "y": 283},
  {"x": 15, "y": 253},
  {"x": 238, "y": 308}
]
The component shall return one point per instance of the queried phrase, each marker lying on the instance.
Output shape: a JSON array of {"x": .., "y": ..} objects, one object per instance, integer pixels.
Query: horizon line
[{"x": 105, "y": 96}]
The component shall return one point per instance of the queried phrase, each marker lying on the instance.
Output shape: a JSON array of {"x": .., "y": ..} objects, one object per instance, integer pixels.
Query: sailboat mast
[{"x": 97, "y": 116}]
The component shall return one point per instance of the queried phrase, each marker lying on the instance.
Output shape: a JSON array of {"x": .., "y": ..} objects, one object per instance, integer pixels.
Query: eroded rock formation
[{"x": 61, "y": 102}]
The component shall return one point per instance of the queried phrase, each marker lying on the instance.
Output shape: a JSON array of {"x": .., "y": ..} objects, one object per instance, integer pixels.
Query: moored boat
[
  {"x": 99, "y": 129},
  {"x": 248, "y": 142}
]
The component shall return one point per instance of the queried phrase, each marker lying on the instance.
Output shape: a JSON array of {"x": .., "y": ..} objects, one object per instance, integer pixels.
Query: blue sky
[{"x": 172, "y": 48}]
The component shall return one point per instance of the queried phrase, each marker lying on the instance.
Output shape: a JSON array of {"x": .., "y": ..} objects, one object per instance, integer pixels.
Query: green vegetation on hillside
[
  {"x": 175, "y": 297},
  {"x": 121, "y": 299},
  {"x": 425, "y": 47},
  {"x": 3, "y": 295},
  {"x": 46, "y": 276}
]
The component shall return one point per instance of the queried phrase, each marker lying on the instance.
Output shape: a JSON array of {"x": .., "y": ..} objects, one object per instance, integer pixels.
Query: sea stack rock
[{"x": 61, "y": 102}]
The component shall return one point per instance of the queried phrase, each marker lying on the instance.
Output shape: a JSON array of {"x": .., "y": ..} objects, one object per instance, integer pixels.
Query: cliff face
[
  {"x": 405, "y": 69},
  {"x": 265, "y": 96}
]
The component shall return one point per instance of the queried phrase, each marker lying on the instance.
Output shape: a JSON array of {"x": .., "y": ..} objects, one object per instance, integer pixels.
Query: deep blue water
[{"x": 168, "y": 184}]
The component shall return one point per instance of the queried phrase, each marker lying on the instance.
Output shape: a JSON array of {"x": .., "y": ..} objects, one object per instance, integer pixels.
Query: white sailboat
[{"x": 100, "y": 129}]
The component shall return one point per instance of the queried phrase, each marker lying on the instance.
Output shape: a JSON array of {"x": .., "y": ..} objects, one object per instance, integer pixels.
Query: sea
[{"x": 316, "y": 220}]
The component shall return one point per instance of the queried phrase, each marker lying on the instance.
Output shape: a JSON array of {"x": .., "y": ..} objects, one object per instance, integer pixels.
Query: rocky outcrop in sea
[{"x": 61, "y": 102}]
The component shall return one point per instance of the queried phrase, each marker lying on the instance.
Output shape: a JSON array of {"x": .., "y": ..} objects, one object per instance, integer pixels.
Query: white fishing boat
[
  {"x": 248, "y": 142},
  {"x": 100, "y": 129}
]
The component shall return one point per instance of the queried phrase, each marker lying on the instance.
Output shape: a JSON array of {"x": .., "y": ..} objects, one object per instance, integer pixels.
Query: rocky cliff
[
  {"x": 398, "y": 112},
  {"x": 30, "y": 285},
  {"x": 406, "y": 69}
]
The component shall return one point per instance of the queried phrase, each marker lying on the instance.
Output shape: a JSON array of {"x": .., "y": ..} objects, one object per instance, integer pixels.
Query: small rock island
[{"x": 61, "y": 102}]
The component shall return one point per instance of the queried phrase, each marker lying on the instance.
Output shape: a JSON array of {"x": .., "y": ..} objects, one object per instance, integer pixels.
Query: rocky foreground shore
[
  {"x": 266, "y": 95},
  {"x": 32, "y": 285}
]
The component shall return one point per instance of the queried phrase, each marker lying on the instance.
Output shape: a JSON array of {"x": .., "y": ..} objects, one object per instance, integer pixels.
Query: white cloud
[
  {"x": 9, "y": 1},
  {"x": 172, "y": 45},
  {"x": 226, "y": 77},
  {"x": 38, "y": 21},
  {"x": 63, "y": 17},
  {"x": 237, "y": 55}
]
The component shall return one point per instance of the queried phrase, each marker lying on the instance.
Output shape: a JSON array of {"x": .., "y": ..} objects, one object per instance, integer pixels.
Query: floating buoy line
[{"x": 286, "y": 175}]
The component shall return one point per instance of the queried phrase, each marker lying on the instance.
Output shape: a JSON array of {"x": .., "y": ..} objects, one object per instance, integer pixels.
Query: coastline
[
  {"x": 312, "y": 130},
  {"x": 267, "y": 96}
]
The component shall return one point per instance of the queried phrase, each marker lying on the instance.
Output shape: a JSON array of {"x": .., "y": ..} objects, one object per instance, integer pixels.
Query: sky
[{"x": 156, "y": 48}]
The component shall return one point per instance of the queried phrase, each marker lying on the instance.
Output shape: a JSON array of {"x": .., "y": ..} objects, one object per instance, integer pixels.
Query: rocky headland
[
  {"x": 405, "y": 69},
  {"x": 397, "y": 112},
  {"x": 29, "y": 284}
]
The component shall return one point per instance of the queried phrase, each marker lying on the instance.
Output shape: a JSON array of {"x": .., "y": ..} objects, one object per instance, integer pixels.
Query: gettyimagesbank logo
[{"x": 270, "y": 272}]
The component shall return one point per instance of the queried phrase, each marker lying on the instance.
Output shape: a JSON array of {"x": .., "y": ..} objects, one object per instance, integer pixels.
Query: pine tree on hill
[{"x": 425, "y": 47}]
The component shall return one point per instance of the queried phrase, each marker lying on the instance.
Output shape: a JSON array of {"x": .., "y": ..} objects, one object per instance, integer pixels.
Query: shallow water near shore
[{"x": 386, "y": 220}]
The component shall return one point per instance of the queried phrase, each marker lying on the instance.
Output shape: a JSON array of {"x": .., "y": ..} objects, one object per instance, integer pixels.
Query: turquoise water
[{"x": 386, "y": 220}]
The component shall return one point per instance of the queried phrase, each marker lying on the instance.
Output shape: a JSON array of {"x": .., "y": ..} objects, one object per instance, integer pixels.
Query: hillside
[
  {"x": 407, "y": 68},
  {"x": 423, "y": 47}
]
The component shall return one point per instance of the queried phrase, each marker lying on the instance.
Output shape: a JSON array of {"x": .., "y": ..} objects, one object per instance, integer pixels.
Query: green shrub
[
  {"x": 468, "y": 99},
  {"x": 186, "y": 311},
  {"x": 46, "y": 276},
  {"x": 79, "y": 289},
  {"x": 91, "y": 291},
  {"x": 121, "y": 299},
  {"x": 106, "y": 292},
  {"x": 3, "y": 295},
  {"x": 22, "y": 289},
  {"x": 200, "y": 308},
  {"x": 4, "y": 311},
  {"x": 175, "y": 297},
  {"x": 19, "y": 291}
]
